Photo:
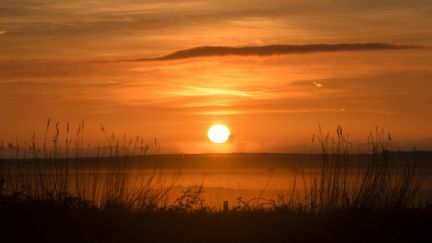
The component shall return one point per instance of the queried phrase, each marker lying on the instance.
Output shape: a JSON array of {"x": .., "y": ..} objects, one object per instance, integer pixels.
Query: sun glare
[{"x": 218, "y": 133}]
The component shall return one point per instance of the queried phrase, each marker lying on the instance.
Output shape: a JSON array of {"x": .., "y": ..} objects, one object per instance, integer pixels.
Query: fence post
[{"x": 225, "y": 206}]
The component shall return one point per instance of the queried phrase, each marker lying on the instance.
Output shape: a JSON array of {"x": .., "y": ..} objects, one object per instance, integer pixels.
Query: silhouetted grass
[
  {"x": 53, "y": 221},
  {"x": 66, "y": 191},
  {"x": 381, "y": 180}
]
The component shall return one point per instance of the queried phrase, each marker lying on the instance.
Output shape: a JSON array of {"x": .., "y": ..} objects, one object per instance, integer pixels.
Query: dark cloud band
[{"x": 208, "y": 51}]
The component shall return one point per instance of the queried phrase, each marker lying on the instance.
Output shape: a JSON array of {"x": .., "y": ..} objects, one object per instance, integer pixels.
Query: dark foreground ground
[{"x": 43, "y": 221}]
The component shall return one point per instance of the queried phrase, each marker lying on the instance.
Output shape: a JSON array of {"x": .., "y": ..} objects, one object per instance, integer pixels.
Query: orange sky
[{"x": 61, "y": 59}]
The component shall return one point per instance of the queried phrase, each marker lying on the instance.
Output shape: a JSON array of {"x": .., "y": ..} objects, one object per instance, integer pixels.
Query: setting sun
[{"x": 218, "y": 133}]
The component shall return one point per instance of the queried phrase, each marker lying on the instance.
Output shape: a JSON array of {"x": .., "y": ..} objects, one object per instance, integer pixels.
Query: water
[{"x": 223, "y": 177}]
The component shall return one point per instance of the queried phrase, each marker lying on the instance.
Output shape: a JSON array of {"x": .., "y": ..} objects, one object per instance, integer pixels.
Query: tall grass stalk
[
  {"x": 64, "y": 168},
  {"x": 382, "y": 180}
]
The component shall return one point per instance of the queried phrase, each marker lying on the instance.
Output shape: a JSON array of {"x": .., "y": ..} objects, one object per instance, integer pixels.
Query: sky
[{"x": 151, "y": 69}]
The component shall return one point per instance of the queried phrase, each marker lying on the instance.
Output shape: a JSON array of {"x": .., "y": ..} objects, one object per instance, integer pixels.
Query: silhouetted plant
[
  {"x": 378, "y": 182},
  {"x": 67, "y": 173},
  {"x": 254, "y": 205},
  {"x": 191, "y": 201}
]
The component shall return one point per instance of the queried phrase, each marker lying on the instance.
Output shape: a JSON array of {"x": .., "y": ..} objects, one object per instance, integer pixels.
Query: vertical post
[{"x": 225, "y": 206}]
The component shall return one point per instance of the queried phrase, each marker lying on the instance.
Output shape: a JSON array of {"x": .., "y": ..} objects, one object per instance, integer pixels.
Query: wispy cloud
[
  {"x": 131, "y": 29},
  {"x": 2, "y": 32},
  {"x": 269, "y": 50}
]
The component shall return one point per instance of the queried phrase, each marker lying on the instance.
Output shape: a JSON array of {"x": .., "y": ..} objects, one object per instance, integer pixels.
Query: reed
[
  {"x": 63, "y": 169},
  {"x": 382, "y": 180}
]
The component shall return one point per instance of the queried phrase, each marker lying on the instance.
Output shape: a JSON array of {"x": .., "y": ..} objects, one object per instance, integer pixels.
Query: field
[{"x": 118, "y": 194}]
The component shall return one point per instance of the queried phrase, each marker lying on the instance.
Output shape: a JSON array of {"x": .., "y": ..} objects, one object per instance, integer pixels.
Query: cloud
[
  {"x": 2, "y": 32},
  {"x": 269, "y": 50}
]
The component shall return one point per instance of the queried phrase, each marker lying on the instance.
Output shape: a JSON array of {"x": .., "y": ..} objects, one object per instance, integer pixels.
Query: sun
[{"x": 218, "y": 133}]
